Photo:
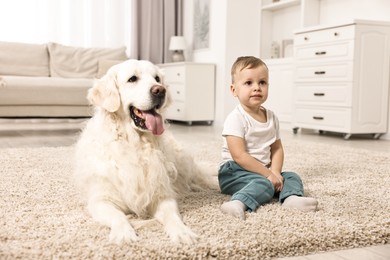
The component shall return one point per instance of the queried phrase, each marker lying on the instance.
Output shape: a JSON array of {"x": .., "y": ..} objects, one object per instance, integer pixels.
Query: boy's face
[{"x": 250, "y": 86}]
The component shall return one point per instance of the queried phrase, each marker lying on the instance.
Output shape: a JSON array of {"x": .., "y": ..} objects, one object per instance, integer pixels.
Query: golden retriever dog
[{"x": 126, "y": 161}]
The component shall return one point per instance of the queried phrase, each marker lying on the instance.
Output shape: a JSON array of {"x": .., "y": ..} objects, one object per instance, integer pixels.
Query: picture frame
[{"x": 201, "y": 28}]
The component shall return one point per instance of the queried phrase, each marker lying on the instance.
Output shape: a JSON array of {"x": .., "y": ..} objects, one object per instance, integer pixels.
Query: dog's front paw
[
  {"x": 183, "y": 235},
  {"x": 122, "y": 234}
]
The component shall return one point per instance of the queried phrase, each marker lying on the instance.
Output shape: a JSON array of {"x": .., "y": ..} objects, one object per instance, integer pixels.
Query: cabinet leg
[
  {"x": 347, "y": 136},
  {"x": 295, "y": 130},
  {"x": 376, "y": 136},
  {"x": 210, "y": 122},
  {"x": 189, "y": 123}
]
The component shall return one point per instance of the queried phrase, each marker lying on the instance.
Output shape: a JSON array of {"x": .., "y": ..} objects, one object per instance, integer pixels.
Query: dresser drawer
[
  {"x": 176, "y": 111},
  {"x": 325, "y": 72},
  {"x": 338, "y": 94},
  {"x": 174, "y": 74},
  {"x": 342, "y": 50},
  {"x": 325, "y": 119},
  {"x": 326, "y": 35},
  {"x": 177, "y": 91}
]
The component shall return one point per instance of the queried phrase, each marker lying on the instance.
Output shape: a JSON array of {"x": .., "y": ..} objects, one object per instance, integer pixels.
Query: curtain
[{"x": 156, "y": 22}]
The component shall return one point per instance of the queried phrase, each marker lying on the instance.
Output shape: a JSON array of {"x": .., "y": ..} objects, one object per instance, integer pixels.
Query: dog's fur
[{"x": 124, "y": 161}]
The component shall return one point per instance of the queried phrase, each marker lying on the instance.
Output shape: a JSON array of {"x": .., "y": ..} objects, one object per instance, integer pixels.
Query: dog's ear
[{"x": 104, "y": 93}]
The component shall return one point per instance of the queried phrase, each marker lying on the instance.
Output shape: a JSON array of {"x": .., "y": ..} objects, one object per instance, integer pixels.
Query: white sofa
[{"x": 50, "y": 80}]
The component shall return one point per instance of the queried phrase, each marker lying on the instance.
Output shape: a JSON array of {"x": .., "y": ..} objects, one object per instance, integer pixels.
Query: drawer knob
[
  {"x": 320, "y": 52},
  {"x": 319, "y": 72},
  {"x": 178, "y": 110},
  {"x": 178, "y": 74},
  {"x": 318, "y": 118},
  {"x": 306, "y": 39},
  {"x": 336, "y": 34},
  {"x": 178, "y": 92},
  {"x": 319, "y": 94}
]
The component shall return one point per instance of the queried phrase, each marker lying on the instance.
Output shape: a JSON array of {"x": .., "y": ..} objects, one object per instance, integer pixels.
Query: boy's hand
[{"x": 277, "y": 181}]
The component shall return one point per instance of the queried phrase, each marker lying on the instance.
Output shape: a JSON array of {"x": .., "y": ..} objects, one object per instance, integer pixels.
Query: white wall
[
  {"x": 216, "y": 51},
  {"x": 336, "y": 11},
  {"x": 234, "y": 32}
]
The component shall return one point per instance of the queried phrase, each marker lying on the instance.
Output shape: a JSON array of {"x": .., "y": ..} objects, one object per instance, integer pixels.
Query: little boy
[{"x": 252, "y": 153}]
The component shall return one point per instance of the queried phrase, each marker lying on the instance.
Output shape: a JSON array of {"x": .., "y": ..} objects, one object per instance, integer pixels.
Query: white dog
[{"x": 125, "y": 162}]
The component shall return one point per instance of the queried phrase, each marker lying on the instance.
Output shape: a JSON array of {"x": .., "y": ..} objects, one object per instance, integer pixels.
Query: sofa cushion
[
  {"x": 77, "y": 62},
  {"x": 45, "y": 111},
  {"x": 19, "y": 90},
  {"x": 105, "y": 65},
  {"x": 24, "y": 59}
]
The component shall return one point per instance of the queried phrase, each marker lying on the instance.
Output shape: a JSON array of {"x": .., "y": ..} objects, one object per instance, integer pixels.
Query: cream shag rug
[{"x": 42, "y": 215}]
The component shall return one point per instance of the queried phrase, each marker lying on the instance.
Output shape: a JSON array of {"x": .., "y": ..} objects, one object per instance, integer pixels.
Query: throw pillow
[
  {"x": 105, "y": 65},
  {"x": 77, "y": 62},
  {"x": 24, "y": 59}
]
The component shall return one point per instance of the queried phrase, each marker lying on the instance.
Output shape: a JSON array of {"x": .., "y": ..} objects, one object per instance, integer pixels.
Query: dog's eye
[
  {"x": 157, "y": 78},
  {"x": 133, "y": 79}
]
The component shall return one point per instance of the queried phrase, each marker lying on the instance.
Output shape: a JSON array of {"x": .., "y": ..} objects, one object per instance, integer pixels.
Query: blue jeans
[{"x": 253, "y": 189}]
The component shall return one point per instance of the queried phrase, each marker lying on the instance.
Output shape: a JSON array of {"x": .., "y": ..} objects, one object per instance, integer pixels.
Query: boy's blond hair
[{"x": 244, "y": 62}]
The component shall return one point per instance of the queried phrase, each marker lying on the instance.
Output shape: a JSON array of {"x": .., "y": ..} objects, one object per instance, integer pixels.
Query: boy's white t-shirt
[{"x": 258, "y": 136}]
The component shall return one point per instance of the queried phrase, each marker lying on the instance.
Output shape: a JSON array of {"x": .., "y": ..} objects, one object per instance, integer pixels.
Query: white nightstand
[{"x": 192, "y": 87}]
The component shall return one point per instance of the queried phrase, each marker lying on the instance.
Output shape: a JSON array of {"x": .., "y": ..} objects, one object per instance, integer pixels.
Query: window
[{"x": 83, "y": 23}]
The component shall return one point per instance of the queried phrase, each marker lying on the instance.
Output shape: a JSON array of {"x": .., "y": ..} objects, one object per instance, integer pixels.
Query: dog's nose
[{"x": 158, "y": 91}]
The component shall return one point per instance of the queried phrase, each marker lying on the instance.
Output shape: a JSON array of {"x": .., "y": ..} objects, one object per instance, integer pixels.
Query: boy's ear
[{"x": 233, "y": 90}]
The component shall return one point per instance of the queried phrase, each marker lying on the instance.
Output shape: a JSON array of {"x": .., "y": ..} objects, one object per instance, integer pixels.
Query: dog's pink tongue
[{"x": 154, "y": 123}]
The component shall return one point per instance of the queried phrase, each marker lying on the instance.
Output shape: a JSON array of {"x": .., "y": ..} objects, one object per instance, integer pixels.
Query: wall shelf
[
  {"x": 280, "y": 19},
  {"x": 280, "y": 5}
]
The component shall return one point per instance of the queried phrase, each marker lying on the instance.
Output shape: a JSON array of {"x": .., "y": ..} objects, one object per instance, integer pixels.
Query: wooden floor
[{"x": 65, "y": 134}]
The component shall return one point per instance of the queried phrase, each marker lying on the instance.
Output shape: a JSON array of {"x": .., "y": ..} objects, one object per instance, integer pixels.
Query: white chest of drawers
[
  {"x": 192, "y": 88},
  {"x": 341, "y": 78}
]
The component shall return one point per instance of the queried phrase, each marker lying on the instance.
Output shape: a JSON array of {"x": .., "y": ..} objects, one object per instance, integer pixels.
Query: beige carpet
[{"x": 42, "y": 216}]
